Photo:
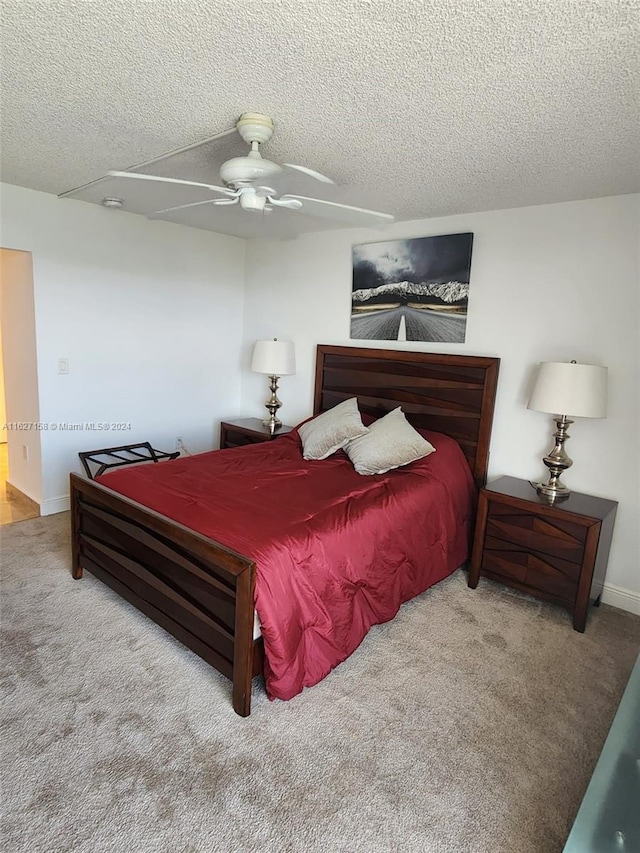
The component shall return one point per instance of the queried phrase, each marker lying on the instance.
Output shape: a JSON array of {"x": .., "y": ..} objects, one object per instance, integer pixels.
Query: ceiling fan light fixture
[{"x": 251, "y": 201}]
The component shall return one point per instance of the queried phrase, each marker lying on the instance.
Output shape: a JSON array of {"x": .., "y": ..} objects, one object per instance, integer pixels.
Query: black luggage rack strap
[{"x": 114, "y": 457}]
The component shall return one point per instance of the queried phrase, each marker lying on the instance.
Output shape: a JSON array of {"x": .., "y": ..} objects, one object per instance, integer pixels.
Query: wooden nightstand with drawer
[
  {"x": 555, "y": 552},
  {"x": 247, "y": 431}
]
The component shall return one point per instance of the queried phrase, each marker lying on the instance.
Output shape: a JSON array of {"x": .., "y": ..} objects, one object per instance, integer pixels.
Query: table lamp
[
  {"x": 580, "y": 390},
  {"x": 275, "y": 358}
]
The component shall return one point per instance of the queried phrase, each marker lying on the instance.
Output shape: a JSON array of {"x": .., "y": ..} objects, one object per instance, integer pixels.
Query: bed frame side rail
[{"x": 195, "y": 588}]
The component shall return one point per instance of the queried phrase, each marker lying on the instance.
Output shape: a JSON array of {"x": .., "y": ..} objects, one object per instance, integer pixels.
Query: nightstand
[
  {"x": 247, "y": 431},
  {"x": 558, "y": 553}
]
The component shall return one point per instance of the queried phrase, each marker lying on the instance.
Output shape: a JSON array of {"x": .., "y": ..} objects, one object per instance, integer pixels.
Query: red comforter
[{"x": 336, "y": 552}]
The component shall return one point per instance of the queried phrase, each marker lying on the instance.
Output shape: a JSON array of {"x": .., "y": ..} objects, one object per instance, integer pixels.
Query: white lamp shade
[
  {"x": 567, "y": 388},
  {"x": 275, "y": 358}
]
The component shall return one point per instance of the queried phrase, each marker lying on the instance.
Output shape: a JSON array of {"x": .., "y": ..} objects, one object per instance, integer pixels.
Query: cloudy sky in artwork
[{"x": 423, "y": 259}]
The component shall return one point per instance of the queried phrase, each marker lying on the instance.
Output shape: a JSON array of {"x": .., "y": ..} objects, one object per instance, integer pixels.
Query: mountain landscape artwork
[{"x": 412, "y": 290}]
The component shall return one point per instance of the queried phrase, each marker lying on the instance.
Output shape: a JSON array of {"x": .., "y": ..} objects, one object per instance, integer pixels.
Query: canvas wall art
[{"x": 412, "y": 290}]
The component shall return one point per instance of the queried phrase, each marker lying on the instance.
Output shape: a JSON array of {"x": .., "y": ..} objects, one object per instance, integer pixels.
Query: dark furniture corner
[
  {"x": 556, "y": 552},
  {"x": 247, "y": 431},
  {"x": 115, "y": 457}
]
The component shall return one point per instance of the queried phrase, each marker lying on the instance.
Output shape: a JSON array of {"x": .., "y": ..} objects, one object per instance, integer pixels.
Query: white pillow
[
  {"x": 390, "y": 443},
  {"x": 331, "y": 430}
]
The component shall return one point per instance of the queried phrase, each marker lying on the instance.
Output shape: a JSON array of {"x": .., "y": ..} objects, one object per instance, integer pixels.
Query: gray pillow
[
  {"x": 331, "y": 430},
  {"x": 390, "y": 443}
]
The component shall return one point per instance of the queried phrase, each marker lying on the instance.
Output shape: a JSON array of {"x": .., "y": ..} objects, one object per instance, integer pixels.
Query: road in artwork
[{"x": 421, "y": 325}]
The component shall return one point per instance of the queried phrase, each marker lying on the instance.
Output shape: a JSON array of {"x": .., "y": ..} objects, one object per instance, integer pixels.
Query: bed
[{"x": 203, "y": 591}]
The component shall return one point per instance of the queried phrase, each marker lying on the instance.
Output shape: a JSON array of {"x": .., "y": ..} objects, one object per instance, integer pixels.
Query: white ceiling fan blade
[
  {"x": 343, "y": 212},
  {"x": 311, "y": 172},
  {"x": 173, "y": 153},
  {"x": 140, "y": 177},
  {"x": 215, "y": 201}
]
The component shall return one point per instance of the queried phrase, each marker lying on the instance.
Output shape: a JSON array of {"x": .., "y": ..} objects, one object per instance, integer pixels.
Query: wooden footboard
[{"x": 195, "y": 588}]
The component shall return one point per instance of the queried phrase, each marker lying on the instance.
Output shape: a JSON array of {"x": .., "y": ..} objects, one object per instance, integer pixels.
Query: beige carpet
[{"x": 470, "y": 723}]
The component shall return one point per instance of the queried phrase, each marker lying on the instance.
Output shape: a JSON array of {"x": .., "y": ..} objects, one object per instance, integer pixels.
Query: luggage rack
[{"x": 115, "y": 457}]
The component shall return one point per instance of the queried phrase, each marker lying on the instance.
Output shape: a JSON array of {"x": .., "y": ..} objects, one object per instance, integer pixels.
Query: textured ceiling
[{"x": 415, "y": 108}]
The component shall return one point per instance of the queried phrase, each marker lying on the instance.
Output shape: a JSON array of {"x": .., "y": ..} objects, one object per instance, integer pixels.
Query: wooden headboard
[{"x": 452, "y": 394}]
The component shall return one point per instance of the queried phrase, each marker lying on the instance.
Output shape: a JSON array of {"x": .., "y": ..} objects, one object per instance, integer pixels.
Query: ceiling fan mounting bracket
[{"x": 255, "y": 127}]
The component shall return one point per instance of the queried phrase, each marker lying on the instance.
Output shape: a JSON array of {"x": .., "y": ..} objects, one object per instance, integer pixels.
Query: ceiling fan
[{"x": 246, "y": 182}]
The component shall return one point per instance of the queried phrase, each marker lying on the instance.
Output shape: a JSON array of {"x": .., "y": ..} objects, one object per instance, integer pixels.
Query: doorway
[{"x": 19, "y": 449}]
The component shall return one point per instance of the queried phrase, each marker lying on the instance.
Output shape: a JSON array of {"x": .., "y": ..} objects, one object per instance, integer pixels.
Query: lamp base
[
  {"x": 273, "y": 423},
  {"x": 557, "y": 462},
  {"x": 273, "y": 404},
  {"x": 552, "y": 493}
]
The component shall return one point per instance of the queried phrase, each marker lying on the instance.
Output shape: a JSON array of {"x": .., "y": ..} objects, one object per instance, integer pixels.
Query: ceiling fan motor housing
[{"x": 240, "y": 171}]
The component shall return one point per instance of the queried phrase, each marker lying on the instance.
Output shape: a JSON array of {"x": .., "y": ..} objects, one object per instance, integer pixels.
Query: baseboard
[
  {"x": 625, "y": 599},
  {"x": 22, "y": 498},
  {"x": 53, "y": 505},
  {"x": 48, "y": 507}
]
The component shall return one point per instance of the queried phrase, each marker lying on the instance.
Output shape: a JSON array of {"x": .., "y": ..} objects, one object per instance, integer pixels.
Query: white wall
[
  {"x": 149, "y": 315},
  {"x": 554, "y": 282},
  {"x": 17, "y": 314}
]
